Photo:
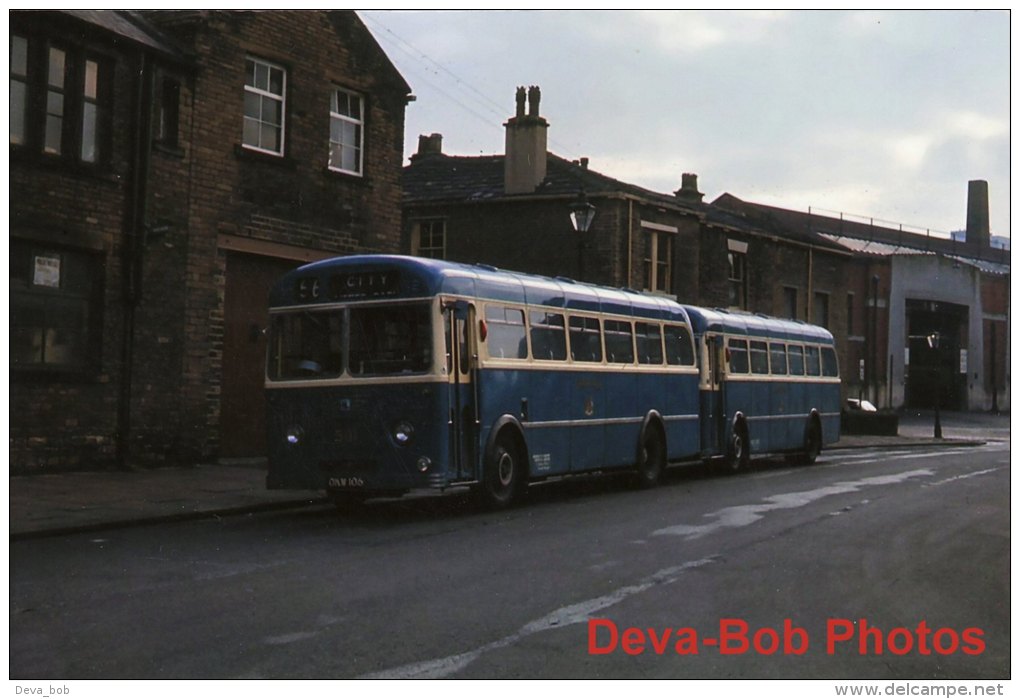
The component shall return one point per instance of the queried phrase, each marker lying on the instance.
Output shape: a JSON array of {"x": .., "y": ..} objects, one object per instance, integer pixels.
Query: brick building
[
  {"x": 193, "y": 157},
  {"x": 512, "y": 211}
]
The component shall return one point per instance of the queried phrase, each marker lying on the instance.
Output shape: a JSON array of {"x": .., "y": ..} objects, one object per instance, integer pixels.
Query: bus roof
[
  {"x": 371, "y": 277},
  {"x": 756, "y": 325}
]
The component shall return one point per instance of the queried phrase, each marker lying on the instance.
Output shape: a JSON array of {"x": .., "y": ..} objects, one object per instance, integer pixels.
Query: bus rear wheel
[
  {"x": 504, "y": 476},
  {"x": 738, "y": 452},
  {"x": 812, "y": 443},
  {"x": 651, "y": 458}
]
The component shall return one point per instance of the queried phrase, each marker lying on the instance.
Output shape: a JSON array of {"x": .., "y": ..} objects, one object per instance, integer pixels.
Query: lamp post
[
  {"x": 933, "y": 344},
  {"x": 581, "y": 214}
]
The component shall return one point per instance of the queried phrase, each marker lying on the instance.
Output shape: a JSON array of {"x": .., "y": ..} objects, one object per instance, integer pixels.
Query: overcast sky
[{"x": 876, "y": 114}]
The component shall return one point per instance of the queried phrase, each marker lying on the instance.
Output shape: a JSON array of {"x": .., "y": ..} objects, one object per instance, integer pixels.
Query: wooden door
[{"x": 245, "y": 316}]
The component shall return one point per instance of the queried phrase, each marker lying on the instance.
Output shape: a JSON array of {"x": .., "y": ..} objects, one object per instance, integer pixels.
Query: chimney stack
[
  {"x": 979, "y": 235},
  {"x": 431, "y": 144},
  {"x": 689, "y": 189},
  {"x": 526, "y": 134}
]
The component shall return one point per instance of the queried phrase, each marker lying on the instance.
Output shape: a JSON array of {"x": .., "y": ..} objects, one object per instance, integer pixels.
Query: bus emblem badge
[
  {"x": 589, "y": 407},
  {"x": 345, "y": 404}
]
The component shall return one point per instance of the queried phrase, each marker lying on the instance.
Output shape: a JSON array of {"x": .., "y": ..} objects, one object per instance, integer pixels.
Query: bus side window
[
  {"x": 649, "y": 343},
  {"x": 759, "y": 357},
  {"x": 619, "y": 342},
  {"x": 737, "y": 351},
  {"x": 548, "y": 336},
  {"x": 796, "y": 360},
  {"x": 811, "y": 360},
  {"x": 777, "y": 356},
  {"x": 830, "y": 367},
  {"x": 507, "y": 338},
  {"x": 679, "y": 349},
  {"x": 585, "y": 339}
]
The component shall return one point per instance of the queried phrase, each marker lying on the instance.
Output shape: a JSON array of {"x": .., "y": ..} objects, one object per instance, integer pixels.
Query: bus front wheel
[{"x": 504, "y": 475}]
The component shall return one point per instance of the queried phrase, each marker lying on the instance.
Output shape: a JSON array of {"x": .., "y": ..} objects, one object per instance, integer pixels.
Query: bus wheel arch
[
  {"x": 651, "y": 451},
  {"x": 504, "y": 474}
]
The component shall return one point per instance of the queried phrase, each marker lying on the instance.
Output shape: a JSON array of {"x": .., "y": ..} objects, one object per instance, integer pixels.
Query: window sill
[
  {"x": 255, "y": 156},
  {"x": 341, "y": 176},
  {"x": 171, "y": 149}
]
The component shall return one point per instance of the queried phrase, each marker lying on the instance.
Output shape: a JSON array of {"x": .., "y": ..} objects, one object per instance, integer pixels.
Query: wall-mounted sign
[{"x": 46, "y": 271}]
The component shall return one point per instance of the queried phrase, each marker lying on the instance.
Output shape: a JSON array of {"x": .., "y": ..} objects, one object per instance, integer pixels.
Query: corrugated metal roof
[{"x": 880, "y": 249}]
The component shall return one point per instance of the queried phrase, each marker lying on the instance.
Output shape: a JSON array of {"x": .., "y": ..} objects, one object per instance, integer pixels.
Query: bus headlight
[
  {"x": 424, "y": 464},
  {"x": 294, "y": 434},
  {"x": 402, "y": 433}
]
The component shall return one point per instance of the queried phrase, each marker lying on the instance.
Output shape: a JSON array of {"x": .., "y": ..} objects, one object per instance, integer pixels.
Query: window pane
[
  {"x": 261, "y": 76},
  {"x": 619, "y": 342},
  {"x": 759, "y": 358},
  {"x": 56, "y": 73},
  {"x": 17, "y": 112},
  {"x": 507, "y": 337},
  {"x": 252, "y": 105},
  {"x": 19, "y": 55},
  {"x": 91, "y": 79},
  {"x": 272, "y": 111},
  {"x": 54, "y": 128},
  {"x": 269, "y": 137},
  {"x": 251, "y": 132},
  {"x": 649, "y": 343},
  {"x": 306, "y": 345},
  {"x": 737, "y": 350},
  {"x": 830, "y": 366},
  {"x": 811, "y": 361},
  {"x": 276, "y": 81},
  {"x": 679, "y": 350},
  {"x": 548, "y": 336},
  {"x": 88, "y": 133},
  {"x": 778, "y": 358},
  {"x": 796, "y": 360},
  {"x": 390, "y": 339},
  {"x": 585, "y": 340}
]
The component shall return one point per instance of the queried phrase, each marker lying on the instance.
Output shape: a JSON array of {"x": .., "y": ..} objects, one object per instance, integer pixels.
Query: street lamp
[
  {"x": 933, "y": 344},
  {"x": 581, "y": 215}
]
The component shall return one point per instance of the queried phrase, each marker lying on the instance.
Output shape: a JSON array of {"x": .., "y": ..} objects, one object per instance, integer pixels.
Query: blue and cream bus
[
  {"x": 387, "y": 374},
  {"x": 768, "y": 386}
]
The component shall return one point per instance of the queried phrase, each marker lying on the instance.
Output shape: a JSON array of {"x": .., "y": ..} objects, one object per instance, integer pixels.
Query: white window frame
[
  {"x": 268, "y": 94},
  {"x": 359, "y": 124}
]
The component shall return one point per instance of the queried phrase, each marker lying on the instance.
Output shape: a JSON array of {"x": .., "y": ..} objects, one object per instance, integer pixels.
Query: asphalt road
[{"x": 891, "y": 564}]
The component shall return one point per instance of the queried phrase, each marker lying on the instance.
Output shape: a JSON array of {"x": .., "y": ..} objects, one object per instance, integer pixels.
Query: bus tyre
[
  {"x": 651, "y": 458},
  {"x": 738, "y": 453},
  {"x": 504, "y": 475},
  {"x": 812, "y": 443}
]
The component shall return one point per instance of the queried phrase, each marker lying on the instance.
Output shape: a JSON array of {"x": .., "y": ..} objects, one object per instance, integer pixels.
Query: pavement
[{"x": 62, "y": 503}]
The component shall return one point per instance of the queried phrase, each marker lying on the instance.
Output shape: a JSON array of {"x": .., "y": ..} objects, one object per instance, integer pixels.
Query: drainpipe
[{"x": 134, "y": 248}]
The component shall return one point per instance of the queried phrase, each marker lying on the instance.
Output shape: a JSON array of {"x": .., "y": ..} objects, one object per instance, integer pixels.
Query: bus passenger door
[
  {"x": 713, "y": 409},
  {"x": 463, "y": 387}
]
